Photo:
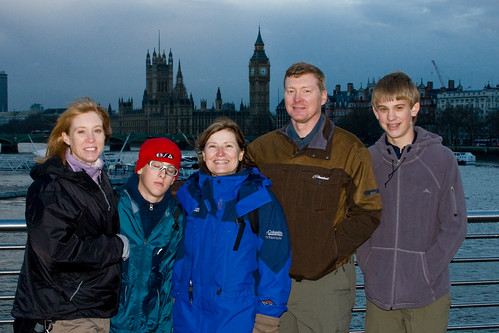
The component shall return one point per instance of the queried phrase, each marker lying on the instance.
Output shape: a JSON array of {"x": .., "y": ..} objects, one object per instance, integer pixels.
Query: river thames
[{"x": 481, "y": 186}]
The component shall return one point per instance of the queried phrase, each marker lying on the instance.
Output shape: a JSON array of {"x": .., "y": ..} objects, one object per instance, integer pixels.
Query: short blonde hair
[
  {"x": 302, "y": 68},
  {"x": 396, "y": 86}
]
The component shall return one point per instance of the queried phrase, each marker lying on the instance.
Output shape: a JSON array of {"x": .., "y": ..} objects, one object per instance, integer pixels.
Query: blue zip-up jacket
[
  {"x": 145, "y": 297},
  {"x": 406, "y": 260},
  {"x": 220, "y": 284}
]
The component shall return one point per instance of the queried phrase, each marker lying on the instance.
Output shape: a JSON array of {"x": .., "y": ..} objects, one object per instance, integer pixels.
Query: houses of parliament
[{"x": 168, "y": 108}]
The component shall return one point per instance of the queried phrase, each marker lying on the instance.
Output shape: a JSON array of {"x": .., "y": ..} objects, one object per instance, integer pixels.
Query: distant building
[
  {"x": 484, "y": 100},
  {"x": 7, "y": 117},
  {"x": 341, "y": 103},
  {"x": 259, "y": 79},
  {"x": 4, "y": 101},
  {"x": 168, "y": 109}
]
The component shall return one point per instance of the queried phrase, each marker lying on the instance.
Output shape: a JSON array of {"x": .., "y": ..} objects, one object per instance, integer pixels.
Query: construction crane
[{"x": 438, "y": 73}]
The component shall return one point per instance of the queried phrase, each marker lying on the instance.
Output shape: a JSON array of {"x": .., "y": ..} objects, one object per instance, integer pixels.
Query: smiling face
[
  {"x": 86, "y": 137},
  {"x": 395, "y": 117},
  {"x": 303, "y": 99},
  {"x": 153, "y": 184},
  {"x": 222, "y": 154}
]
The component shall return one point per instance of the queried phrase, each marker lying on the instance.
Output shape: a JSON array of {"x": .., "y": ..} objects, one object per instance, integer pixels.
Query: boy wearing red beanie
[{"x": 153, "y": 222}]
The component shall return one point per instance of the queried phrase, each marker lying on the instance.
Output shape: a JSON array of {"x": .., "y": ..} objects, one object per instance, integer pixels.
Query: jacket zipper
[
  {"x": 395, "y": 255},
  {"x": 105, "y": 198},
  {"x": 76, "y": 291},
  {"x": 191, "y": 290},
  {"x": 151, "y": 207},
  {"x": 453, "y": 198},
  {"x": 104, "y": 193}
]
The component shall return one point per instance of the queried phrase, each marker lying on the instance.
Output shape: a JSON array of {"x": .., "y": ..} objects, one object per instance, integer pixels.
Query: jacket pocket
[
  {"x": 322, "y": 189},
  {"x": 412, "y": 283},
  {"x": 377, "y": 270}
]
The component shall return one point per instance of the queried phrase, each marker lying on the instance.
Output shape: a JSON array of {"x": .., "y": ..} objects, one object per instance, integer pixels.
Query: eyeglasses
[{"x": 158, "y": 166}]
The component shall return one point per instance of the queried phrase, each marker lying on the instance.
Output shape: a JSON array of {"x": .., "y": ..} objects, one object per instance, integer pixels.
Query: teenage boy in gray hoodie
[{"x": 406, "y": 260}]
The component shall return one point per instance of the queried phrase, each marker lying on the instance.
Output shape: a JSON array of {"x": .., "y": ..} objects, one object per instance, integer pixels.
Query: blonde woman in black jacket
[{"x": 70, "y": 277}]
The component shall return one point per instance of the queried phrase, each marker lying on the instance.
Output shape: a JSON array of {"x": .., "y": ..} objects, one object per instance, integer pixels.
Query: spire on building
[
  {"x": 180, "y": 77},
  {"x": 180, "y": 91},
  {"x": 218, "y": 100},
  {"x": 259, "y": 40},
  {"x": 259, "y": 52}
]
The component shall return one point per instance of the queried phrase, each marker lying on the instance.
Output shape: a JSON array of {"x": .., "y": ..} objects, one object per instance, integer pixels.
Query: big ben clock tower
[{"x": 259, "y": 78}]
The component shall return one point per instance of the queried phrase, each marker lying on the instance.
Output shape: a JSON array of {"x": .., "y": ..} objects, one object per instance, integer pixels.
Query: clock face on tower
[
  {"x": 252, "y": 71},
  {"x": 263, "y": 71}
]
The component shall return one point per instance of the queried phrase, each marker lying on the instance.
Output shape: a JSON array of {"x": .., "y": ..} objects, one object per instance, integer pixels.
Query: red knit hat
[{"x": 159, "y": 149}]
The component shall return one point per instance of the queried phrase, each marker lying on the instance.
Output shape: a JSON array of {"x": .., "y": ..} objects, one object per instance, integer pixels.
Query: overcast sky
[{"x": 54, "y": 51}]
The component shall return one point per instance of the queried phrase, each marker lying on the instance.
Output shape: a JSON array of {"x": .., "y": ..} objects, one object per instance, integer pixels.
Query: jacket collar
[
  {"x": 424, "y": 139},
  {"x": 321, "y": 143},
  {"x": 197, "y": 192},
  {"x": 54, "y": 168}
]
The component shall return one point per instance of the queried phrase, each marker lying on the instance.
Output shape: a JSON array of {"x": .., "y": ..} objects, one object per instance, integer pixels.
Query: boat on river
[{"x": 464, "y": 158}]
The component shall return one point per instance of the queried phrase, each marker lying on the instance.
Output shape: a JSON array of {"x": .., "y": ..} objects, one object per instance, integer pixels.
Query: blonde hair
[
  {"x": 302, "y": 68},
  {"x": 398, "y": 86},
  {"x": 56, "y": 145},
  {"x": 395, "y": 85}
]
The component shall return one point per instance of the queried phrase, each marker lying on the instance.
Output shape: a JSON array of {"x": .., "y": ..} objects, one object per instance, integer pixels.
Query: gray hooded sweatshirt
[{"x": 406, "y": 260}]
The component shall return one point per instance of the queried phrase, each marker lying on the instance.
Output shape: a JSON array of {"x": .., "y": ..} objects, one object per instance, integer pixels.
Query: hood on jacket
[
  {"x": 409, "y": 153},
  {"x": 424, "y": 139},
  {"x": 198, "y": 188}
]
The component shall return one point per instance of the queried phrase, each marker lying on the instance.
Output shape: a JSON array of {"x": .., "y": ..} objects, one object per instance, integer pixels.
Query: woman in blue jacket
[
  {"x": 233, "y": 273},
  {"x": 153, "y": 222}
]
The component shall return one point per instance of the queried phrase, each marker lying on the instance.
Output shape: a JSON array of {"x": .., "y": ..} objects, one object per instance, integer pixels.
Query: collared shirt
[
  {"x": 303, "y": 142},
  {"x": 396, "y": 149}
]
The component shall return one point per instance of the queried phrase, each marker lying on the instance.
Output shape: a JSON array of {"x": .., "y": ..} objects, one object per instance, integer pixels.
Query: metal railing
[
  {"x": 9, "y": 226},
  {"x": 17, "y": 163}
]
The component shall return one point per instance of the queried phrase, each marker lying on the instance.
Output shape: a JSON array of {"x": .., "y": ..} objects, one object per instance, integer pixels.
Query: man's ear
[
  {"x": 375, "y": 113},
  {"x": 415, "y": 109},
  {"x": 324, "y": 97}
]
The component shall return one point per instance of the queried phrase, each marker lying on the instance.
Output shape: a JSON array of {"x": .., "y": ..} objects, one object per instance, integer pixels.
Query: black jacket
[{"x": 72, "y": 260}]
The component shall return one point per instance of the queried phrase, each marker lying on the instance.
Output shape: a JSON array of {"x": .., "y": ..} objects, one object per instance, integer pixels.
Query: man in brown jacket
[{"x": 323, "y": 178}]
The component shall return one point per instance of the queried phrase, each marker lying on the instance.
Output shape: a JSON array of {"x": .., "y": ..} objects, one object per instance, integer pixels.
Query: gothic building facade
[{"x": 167, "y": 108}]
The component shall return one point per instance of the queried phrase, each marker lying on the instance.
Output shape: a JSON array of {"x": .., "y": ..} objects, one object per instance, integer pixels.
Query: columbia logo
[
  {"x": 273, "y": 234},
  {"x": 319, "y": 177},
  {"x": 196, "y": 210}
]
